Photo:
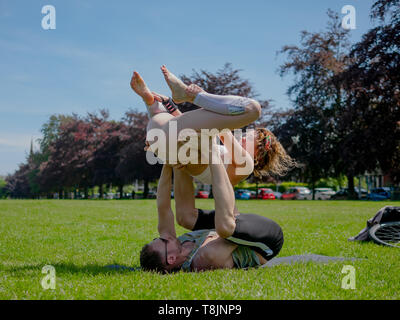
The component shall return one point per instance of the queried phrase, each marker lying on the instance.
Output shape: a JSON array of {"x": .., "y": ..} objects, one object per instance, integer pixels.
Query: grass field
[{"x": 79, "y": 238}]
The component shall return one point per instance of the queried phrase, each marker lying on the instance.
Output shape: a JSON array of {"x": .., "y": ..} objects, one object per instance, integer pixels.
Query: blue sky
[{"x": 85, "y": 63}]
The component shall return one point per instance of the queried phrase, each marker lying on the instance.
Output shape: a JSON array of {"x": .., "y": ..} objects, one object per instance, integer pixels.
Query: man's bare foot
[
  {"x": 139, "y": 86},
  {"x": 178, "y": 88}
]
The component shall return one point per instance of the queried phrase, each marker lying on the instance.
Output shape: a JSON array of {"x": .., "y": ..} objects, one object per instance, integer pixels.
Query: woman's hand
[
  {"x": 147, "y": 146},
  {"x": 159, "y": 97}
]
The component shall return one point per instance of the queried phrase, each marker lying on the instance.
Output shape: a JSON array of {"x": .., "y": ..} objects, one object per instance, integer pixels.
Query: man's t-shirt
[{"x": 243, "y": 256}]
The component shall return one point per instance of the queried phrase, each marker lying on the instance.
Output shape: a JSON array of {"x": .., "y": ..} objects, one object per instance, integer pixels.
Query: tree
[
  {"x": 132, "y": 162},
  {"x": 3, "y": 184},
  {"x": 310, "y": 131},
  {"x": 373, "y": 82},
  {"x": 18, "y": 183}
]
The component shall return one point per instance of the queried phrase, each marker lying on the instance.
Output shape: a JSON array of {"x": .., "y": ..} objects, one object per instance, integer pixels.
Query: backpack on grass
[{"x": 387, "y": 214}]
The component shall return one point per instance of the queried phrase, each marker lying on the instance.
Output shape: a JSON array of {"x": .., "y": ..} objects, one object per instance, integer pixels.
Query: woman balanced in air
[{"x": 260, "y": 151}]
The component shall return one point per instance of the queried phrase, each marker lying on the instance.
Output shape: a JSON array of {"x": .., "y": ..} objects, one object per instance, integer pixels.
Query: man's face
[{"x": 169, "y": 250}]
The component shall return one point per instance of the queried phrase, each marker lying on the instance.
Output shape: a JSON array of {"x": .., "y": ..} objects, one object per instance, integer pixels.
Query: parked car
[
  {"x": 343, "y": 194},
  {"x": 379, "y": 194},
  {"x": 323, "y": 193},
  {"x": 296, "y": 193},
  {"x": 202, "y": 194},
  {"x": 266, "y": 194},
  {"x": 152, "y": 194},
  {"x": 242, "y": 194},
  {"x": 253, "y": 195},
  {"x": 278, "y": 195}
]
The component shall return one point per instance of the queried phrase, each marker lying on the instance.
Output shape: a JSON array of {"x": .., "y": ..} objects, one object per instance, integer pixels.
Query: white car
[{"x": 323, "y": 193}]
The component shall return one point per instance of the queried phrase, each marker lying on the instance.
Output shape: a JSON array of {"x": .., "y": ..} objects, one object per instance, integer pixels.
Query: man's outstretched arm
[
  {"x": 166, "y": 223},
  {"x": 224, "y": 197}
]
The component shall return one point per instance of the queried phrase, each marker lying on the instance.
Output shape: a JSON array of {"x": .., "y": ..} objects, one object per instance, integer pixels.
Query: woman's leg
[
  {"x": 219, "y": 112},
  {"x": 168, "y": 103},
  {"x": 153, "y": 105}
]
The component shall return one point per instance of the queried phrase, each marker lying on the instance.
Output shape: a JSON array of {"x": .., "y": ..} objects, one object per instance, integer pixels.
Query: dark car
[
  {"x": 379, "y": 194},
  {"x": 343, "y": 194}
]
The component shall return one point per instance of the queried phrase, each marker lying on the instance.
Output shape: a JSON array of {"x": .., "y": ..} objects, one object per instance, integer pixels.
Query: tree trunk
[
  {"x": 313, "y": 190},
  {"x": 352, "y": 194},
  {"x": 101, "y": 191},
  {"x": 146, "y": 189},
  {"x": 121, "y": 191},
  {"x": 86, "y": 191},
  {"x": 256, "y": 190}
]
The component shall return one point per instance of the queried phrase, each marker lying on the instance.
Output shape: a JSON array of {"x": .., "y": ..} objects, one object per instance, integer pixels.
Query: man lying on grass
[{"x": 221, "y": 239}]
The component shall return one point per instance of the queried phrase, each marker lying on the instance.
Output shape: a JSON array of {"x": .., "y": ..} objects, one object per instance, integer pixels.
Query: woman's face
[{"x": 249, "y": 142}]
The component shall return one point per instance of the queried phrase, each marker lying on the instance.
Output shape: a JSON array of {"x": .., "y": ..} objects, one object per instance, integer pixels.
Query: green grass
[{"x": 79, "y": 238}]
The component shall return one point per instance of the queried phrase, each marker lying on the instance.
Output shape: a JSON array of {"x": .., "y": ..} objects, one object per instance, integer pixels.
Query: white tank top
[{"x": 205, "y": 177}]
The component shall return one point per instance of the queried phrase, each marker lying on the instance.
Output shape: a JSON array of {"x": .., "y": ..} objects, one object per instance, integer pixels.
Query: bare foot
[
  {"x": 139, "y": 86},
  {"x": 178, "y": 88},
  {"x": 192, "y": 91}
]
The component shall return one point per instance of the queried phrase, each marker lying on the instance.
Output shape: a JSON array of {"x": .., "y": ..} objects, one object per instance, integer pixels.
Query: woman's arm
[
  {"x": 166, "y": 224},
  {"x": 242, "y": 163}
]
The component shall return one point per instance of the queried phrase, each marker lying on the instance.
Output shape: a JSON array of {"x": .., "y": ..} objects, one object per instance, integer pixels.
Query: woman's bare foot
[
  {"x": 192, "y": 91},
  {"x": 178, "y": 88},
  {"x": 139, "y": 86}
]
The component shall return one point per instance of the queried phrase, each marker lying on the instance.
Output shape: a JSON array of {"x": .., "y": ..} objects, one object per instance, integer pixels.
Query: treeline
[
  {"x": 344, "y": 119},
  {"x": 77, "y": 153},
  {"x": 346, "y": 115}
]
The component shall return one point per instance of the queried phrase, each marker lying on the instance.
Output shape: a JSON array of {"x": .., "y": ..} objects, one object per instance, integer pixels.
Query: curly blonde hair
[{"x": 271, "y": 158}]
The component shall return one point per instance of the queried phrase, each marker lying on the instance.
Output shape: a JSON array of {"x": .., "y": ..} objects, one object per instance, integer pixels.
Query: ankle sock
[{"x": 170, "y": 105}]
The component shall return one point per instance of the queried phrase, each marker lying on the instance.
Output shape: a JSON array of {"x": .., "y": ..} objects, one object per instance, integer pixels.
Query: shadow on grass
[{"x": 69, "y": 268}]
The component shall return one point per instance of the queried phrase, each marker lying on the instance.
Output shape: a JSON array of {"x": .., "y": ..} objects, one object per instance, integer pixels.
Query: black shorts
[{"x": 260, "y": 233}]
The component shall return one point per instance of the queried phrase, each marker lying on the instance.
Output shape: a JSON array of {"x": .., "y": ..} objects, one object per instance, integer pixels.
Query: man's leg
[{"x": 186, "y": 213}]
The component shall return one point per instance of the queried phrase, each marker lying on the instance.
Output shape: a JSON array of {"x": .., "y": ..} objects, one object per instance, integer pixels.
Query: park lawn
[{"x": 79, "y": 238}]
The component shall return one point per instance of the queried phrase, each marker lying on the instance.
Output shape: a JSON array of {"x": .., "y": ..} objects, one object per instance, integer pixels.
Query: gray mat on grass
[{"x": 304, "y": 258}]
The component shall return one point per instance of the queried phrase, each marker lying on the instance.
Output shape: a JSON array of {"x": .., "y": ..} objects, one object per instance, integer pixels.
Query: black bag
[{"x": 386, "y": 214}]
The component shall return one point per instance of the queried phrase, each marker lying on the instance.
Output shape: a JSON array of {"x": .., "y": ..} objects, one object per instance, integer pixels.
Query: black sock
[
  {"x": 205, "y": 220},
  {"x": 169, "y": 105}
]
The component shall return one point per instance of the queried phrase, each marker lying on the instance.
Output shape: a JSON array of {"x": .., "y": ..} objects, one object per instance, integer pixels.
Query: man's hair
[{"x": 150, "y": 260}]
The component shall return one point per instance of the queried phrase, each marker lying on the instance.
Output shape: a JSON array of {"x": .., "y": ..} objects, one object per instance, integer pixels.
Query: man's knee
[{"x": 185, "y": 219}]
